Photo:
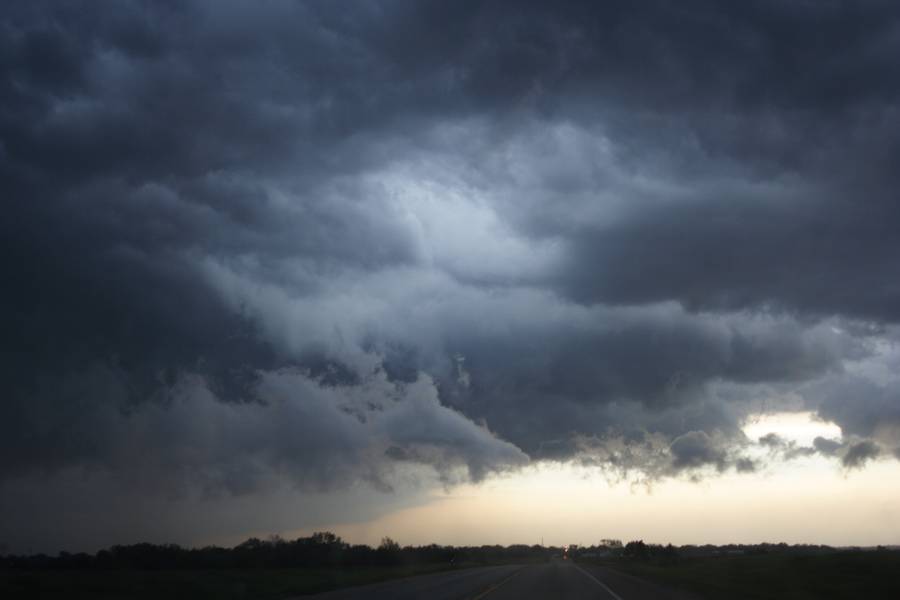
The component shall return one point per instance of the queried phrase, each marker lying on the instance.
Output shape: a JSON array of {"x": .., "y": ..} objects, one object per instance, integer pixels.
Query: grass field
[
  {"x": 232, "y": 584},
  {"x": 870, "y": 575}
]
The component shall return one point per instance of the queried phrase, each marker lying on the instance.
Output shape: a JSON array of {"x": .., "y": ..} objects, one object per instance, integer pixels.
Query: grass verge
[
  {"x": 852, "y": 574},
  {"x": 230, "y": 584}
]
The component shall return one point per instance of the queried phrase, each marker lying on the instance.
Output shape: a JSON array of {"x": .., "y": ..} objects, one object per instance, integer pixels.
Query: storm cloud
[{"x": 249, "y": 244}]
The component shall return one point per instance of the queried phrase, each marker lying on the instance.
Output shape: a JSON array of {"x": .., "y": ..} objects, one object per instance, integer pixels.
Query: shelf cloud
[{"x": 297, "y": 242}]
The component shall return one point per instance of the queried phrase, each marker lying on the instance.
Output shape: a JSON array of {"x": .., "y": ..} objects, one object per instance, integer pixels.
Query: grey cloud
[
  {"x": 742, "y": 254},
  {"x": 860, "y": 452},
  {"x": 314, "y": 434},
  {"x": 644, "y": 456},
  {"x": 852, "y": 454},
  {"x": 745, "y": 465},
  {"x": 859, "y": 405},
  {"x": 772, "y": 440},
  {"x": 119, "y": 513},
  {"x": 826, "y": 446},
  {"x": 786, "y": 449},
  {"x": 663, "y": 360},
  {"x": 582, "y": 223},
  {"x": 696, "y": 449}
]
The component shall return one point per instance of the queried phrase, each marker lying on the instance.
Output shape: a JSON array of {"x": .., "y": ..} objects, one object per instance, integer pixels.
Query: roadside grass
[
  {"x": 781, "y": 576},
  {"x": 227, "y": 584}
]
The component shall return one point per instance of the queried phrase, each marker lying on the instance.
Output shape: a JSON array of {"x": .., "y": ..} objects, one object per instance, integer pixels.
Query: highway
[{"x": 556, "y": 580}]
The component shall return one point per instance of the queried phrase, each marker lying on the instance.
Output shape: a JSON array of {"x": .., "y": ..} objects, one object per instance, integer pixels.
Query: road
[{"x": 556, "y": 580}]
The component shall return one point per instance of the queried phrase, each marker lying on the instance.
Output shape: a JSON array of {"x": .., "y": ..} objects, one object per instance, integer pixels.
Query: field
[
  {"x": 776, "y": 575},
  {"x": 781, "y": 576},
  {"x": 226, "y": 584}
]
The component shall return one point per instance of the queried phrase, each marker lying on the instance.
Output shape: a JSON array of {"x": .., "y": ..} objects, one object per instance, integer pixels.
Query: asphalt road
[{"x": 556, "y": 580}]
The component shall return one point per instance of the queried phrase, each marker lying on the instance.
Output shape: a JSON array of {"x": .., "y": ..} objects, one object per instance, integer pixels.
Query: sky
[{"x": 455, "y": 272}]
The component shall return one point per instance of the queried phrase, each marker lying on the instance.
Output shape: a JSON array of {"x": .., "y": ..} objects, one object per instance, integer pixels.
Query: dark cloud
[
  {"x": 642, "y": 457},
  {"x": 852, "y": 453},
  {"x": 464, "y": 235},
  {"x": 771, "y": 440},
  {"x": 696, "y": 449},
  {"x": 642, "y": 368},
  {"x": 745, "y": 465},
  {"x": 826, "y": 446},
  {"x": 788, "y": 449},
  {"x": 857, "y": 454},
  {"x": 859, "y": 405}
]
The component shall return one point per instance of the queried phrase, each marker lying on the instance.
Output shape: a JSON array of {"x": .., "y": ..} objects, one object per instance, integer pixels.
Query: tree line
[
  {"x": 325, "y": 549},
  {"x": 639, "y": 550},
  {"x": 321, "y": 549}
]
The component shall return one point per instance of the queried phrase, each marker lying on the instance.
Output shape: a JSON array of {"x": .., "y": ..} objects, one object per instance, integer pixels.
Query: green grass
[
  {"x": 231, "y": 584},
  {"x": 780, "y": 576}
]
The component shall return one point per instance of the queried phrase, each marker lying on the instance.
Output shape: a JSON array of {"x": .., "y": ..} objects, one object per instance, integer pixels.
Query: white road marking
[{"x": 600, "y": 583}]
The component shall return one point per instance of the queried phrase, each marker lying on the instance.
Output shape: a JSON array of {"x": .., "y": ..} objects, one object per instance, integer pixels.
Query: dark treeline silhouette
[
  {"x": 638, "y": 550},
  {"x": 323, "y": 549}
]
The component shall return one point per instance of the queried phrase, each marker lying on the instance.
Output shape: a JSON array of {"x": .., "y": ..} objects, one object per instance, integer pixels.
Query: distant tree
[
  {"x": 637, "y": 549},
  {"x": 325, "y": 537},
  {"x": 250, "y": 544},
  {"x": 388, "y": 545}
]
